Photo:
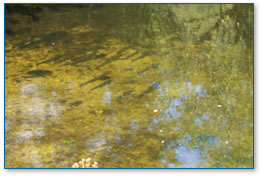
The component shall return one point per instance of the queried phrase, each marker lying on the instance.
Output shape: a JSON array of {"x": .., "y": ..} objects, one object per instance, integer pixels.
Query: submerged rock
[
  {"x": 86, "y": 163},
  {"x": 30, "y": 90}
]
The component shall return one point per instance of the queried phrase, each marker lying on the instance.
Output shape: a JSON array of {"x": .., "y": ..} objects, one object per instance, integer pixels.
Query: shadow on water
[{"x": 130, "y": 85}]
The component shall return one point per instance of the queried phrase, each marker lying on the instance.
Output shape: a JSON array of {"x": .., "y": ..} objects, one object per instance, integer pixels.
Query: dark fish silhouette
[
  {"x": 53, "y": 59},
  {"x": 148, "y": 68},
  {"x": 124, "y": 95},
  {"x": 90, "y": 57},
  {"x": 47, "y": 39},
  {"x": 101, "y": 85},
  {"x": 147, "y": 53},
  {"x": 39, "y": 73},
  {"x": 76, "y": 103},
  {"x": 53, "y": 36},
  {"x": 109, "y": 112},
  {"x": 101, "y": 77},
  {"x": 150, "y": 89},
  {"x": 114, "y": 58}
]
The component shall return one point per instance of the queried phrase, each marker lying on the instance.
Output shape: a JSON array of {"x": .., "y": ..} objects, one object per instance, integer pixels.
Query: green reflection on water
[{"x": 132, "y": 86}]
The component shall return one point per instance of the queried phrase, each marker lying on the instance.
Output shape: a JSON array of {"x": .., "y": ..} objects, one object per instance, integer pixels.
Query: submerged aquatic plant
[
  {"x": 85, "y": 163},
  {"x": 60, "y": 53},
  {"x": 69, "y": 142}
]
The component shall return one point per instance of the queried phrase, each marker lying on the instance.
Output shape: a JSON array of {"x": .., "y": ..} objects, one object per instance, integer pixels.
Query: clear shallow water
[{"x": 132, "y": 86}]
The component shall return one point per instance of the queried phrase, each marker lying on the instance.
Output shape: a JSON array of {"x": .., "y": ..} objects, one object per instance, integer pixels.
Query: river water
[{"x": 130, "y": 85}]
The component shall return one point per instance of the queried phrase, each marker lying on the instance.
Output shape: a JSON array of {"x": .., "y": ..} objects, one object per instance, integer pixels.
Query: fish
[
  {"x": 76, "y": 103},
  {"x": 109, "y": 112},
  {"x": 101, "y": 78},
  {"x": 124, "y": 95},
  {"x": 53, "y": 36},
  {"x": 28, "y": 44},
  {"x": 53, "y": 59},
  {"x": 147, "y": 53},
  {"x": 133, "y": 54},
  {"x": 39, "y": 73},
  {"x": 150, "y": 89},
  {"x": 47, "y": 39},
  {"x": 114, "y": 58},
  {"x": 148, "y": 68},
  {"x": 90, "y": 57},
  {"x": 101, "y": 85}
]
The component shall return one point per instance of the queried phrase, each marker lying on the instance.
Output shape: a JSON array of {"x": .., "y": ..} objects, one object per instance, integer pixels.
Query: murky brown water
[{"x": 131, "y": 86}]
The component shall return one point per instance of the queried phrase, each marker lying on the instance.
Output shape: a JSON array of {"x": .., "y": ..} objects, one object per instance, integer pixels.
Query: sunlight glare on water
[{"x": 129, "y": 85}]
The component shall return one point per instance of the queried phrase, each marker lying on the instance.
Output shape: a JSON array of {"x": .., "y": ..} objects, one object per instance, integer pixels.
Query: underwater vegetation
[{"x": 129, "y": 86}]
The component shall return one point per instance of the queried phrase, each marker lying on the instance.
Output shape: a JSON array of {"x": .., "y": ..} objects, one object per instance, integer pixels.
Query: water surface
[{"x": 132, "y": 86}]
